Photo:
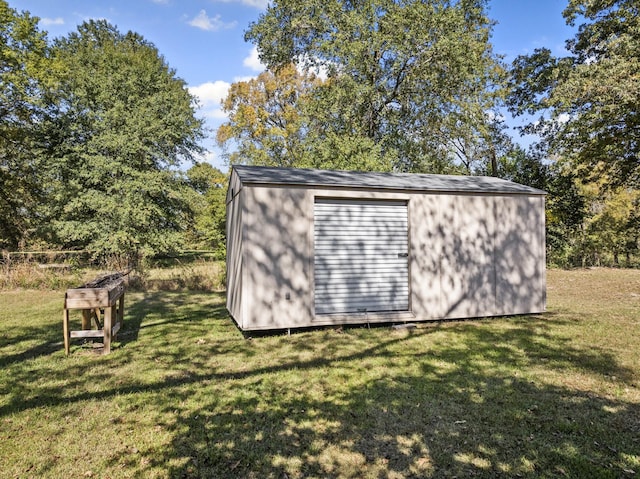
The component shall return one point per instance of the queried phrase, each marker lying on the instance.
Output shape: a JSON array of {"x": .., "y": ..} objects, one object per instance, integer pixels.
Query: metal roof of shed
[{"x": 263, "y": 175}]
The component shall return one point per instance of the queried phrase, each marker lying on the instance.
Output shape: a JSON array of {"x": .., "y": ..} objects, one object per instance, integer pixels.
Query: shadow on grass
[
  {"x": 30, "y": 326},
  {"x": 46, "y": 348},
  {"x": 471, "y": 419},
  {"x": 461, "y": 399},
  {"x": 165, "y": 305},
  {"x": 50, "y": 336},
  {"x": 460, "y": 412},
  {"x": 392, "y": 429},
  {"x": 20, "y": 386}
]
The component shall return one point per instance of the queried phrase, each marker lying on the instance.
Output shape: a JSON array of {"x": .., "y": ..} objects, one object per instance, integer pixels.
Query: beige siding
[
  {"x": 425, "y": 245},
  {"x": 520, "y": 255},
  {"x": 467, "y": 280},
  {"x": 234, "y": 230},
  {"x": 470, "y": 256},
  {"x": 278, "y": 277}
]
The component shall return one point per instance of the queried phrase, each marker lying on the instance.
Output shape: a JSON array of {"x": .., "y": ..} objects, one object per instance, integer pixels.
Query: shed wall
[
  {"x": 467, "y": 280},
  {"x": 235, "y": 263},
  {"x": 277, "y": 275},
  {"x": 520, "y": 256},
  {"x": 470, "y": 256}
]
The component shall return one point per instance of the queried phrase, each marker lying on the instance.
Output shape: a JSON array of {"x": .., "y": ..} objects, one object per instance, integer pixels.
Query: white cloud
[
  {"x": 52, "y": 21},
  {"x": 210, "y": 24},
  {"x": 210, "y": 96},
  {"x": 161, "y": 2},
  {"x": 261, "y": 4},
  {"x": 253, "y": 62},
  {"x": 87, "y": 18}
]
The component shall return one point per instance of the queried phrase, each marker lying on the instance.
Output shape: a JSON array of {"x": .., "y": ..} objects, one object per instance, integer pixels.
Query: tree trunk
[{"x": 494, "y": 162}]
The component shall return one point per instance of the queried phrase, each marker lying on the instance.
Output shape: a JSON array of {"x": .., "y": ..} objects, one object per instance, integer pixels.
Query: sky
[{"x": 203, "y": 40}]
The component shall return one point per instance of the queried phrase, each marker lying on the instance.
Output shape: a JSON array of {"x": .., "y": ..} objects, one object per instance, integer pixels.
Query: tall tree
[
  {"x": 274, "y": 121},
  {"x": 586, "y": 104},
  {"x": 124, "y": 123},
  {"x": 266, "y": 123},
  {"x": 405, "y": 78},
  {"x": 23, "y": 56}
]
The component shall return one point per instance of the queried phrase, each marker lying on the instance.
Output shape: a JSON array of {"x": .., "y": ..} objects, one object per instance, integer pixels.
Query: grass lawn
[{"x": 184, "y": 394}]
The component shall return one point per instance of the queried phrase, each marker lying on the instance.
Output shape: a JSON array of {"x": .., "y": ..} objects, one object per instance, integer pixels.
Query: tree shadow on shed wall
[{"x": 484, "y": 255}]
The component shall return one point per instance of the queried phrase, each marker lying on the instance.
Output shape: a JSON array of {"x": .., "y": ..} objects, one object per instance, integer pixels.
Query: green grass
[{"x": 184, "y": 394}]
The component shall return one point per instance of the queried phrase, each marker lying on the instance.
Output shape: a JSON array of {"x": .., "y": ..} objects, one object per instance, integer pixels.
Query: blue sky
[{"x": 203, "y": 39}]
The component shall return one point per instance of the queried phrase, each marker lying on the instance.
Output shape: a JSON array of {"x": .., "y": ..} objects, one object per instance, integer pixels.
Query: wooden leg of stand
[
  {"x": 121, "y": 312},
  {"x": 86, "y": 319},
  {"x": 65, "y": 330},
  {"x": 108, "y": 324}
]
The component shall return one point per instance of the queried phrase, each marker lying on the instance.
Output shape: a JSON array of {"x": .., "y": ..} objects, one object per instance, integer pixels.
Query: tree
[
  {"x": 588, "y": 101},
  {"x": 266, "y": 122},
  {"x": 122, "y": 126},
  {"x": 23, "y": 56},
  {"x": 209, "y": 203},
  {"x": 611, "y": 227},
  {"x": 273, "y": 121},
  {"x": 405, "y": 79},
  {"x": 483, "y": 153}
]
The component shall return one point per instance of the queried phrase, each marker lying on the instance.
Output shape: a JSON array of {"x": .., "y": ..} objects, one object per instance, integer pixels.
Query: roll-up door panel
[{"x": 361, "y": 256}]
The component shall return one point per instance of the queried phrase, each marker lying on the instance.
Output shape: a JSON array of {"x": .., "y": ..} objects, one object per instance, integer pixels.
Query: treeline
[
  {"x": 415, "y": 86},
  {"x": 95, "y": 133},
  {"x": 99, "y": 136}
]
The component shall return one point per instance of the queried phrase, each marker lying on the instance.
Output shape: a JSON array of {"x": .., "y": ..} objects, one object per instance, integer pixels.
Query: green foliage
[
  {"x": 209, "y": 203},
  {"x": 93, "y": 132},
  {"x": 266, "y": 120},
  {"x": 587, "y": 224},
  {"x": 23, "y": 60},
  {"x": 273, "y": 121},
  {"x": 121, "y": 126},
  {"x": 566, "y": 212},
  {"x": 349, "y": 152},
  {"x": 588, "y": 101},
  {"x": 584, "y": 107},
  {"x": 525, "y": 168},
  {"x": 405, "y": 79},
  {"x": 611, "y": 231}
]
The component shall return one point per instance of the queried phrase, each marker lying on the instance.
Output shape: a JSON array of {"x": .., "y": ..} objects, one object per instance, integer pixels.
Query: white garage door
[{"x": 361, "y": 256}]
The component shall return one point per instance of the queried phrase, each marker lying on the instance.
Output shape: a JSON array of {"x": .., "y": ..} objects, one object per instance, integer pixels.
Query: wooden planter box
[{"x": 103, "y": 294}]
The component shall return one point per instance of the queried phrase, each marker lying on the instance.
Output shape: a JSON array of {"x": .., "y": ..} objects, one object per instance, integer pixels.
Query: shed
[{"x": 318, "y": 247}]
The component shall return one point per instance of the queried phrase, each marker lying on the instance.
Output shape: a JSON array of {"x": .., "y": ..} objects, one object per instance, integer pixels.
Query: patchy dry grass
[
  {"x": 193, "y": 276},
  {"x": 184, "y": 394},
  {"x": 176, "y": 275}
]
